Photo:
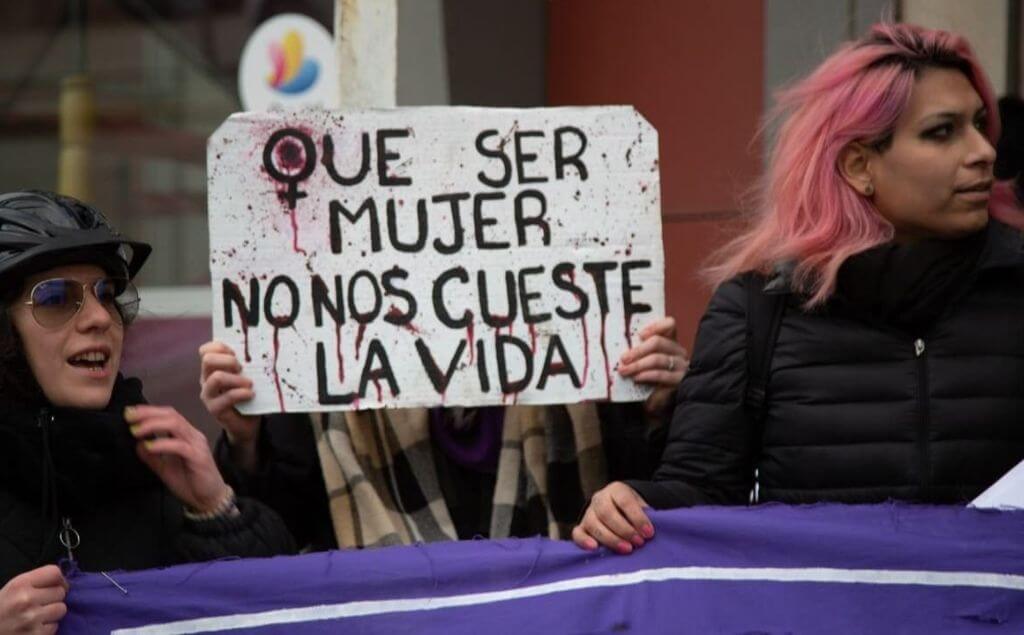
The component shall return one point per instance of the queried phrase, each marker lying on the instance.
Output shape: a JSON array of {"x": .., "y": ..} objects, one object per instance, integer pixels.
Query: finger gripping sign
[{"x": 434, "y": 256}]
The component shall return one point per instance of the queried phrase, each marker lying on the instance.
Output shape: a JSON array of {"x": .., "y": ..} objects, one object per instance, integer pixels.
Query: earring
[{"x": 869, "y": 189}]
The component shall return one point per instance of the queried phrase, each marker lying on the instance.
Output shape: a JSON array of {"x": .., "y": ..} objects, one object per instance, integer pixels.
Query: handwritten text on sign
[{"x": 427, "y": 256}]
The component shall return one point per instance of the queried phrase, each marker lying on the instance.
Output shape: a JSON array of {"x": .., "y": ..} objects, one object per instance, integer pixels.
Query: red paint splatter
[
  {"x": 290, "y": 156},
  {"x": 359, "y": 338},
  {"x": 337, "y": 351},
  {"x": 604, "y": 351},
  {"x": 393, "y": 312},
  {"x": 277, "y": 378}
]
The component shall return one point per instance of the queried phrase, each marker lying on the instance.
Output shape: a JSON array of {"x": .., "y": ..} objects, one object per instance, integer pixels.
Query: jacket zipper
[
  {"x": 69, "y": 537},
  {"x": 924, "y": 421}
]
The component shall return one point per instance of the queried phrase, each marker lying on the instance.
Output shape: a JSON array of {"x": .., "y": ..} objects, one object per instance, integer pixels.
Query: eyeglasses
[{"x": 57, "y": 300}]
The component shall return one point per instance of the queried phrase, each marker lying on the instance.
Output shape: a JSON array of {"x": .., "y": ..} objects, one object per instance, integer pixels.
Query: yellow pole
[{"x": 77, "y": 121}]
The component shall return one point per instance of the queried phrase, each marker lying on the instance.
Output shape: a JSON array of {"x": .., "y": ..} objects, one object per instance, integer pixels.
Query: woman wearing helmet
[{"x": 90, "y": 473}]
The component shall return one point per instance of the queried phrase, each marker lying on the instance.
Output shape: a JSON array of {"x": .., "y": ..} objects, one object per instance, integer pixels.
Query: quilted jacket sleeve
[
  {"x": 288, "y": 478},
  {"x": 709, "y": 454},
  {"x": 256, "y": 532}
]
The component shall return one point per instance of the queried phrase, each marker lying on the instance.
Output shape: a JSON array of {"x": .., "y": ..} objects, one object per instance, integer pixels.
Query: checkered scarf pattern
[{"x": 383, "y": 487}]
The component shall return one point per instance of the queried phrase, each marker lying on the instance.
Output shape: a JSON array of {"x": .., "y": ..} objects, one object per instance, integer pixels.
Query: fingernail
[
  {"x": 148, "y": 443},
  {"x": 129, "y": 412},
  {"x": 624, "y": 547},
  {"x": 134, "y": 429},
  {"x": 647, "y": 530},
  {"x": 591, "y": 544},
  {"x": 637, "y": 540}
]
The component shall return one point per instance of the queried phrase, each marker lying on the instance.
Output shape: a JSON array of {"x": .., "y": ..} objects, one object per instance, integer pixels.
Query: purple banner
[{"x": 767, "y": 569}]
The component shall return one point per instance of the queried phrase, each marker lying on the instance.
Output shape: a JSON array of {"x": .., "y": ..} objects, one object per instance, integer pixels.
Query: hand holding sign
[
  {"x": 222, "y": 388},
  {"x": 658, "y": 361},
  {"x": 430, "y": 256}
]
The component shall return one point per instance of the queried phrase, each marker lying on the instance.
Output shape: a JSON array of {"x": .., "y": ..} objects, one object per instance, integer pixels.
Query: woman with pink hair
[{"x": 865, "y": 340}]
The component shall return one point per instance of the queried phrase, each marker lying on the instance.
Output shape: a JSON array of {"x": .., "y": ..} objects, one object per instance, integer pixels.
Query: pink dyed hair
[{"x": 805, "y": 211}]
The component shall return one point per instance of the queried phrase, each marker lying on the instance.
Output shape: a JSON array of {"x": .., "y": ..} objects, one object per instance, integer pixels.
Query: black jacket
[
  {"x": 80, "y": 467},
  {"x": 857, "y": 411}
]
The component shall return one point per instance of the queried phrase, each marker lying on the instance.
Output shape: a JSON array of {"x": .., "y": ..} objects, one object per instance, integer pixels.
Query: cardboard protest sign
[{"x": 428, "y": 256}]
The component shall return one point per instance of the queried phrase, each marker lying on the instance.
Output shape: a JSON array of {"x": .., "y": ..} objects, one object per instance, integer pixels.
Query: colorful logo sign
[
  {"x": 292, "y": 74},
  {"x": 288, "y": 63}
]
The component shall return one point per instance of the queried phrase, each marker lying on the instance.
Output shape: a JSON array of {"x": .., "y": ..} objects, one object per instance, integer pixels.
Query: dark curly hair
[{"x": 17, "y": 381}]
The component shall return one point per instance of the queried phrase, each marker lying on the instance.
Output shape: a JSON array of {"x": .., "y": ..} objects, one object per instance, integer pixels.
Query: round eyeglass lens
[{"x": 55, "y": 301}]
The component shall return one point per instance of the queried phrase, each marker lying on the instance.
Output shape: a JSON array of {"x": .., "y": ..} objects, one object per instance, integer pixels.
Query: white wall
[{"x": 983, "y": 22}]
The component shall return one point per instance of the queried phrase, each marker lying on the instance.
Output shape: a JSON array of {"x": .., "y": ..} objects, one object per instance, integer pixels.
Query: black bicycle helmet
[{"x": 41, "y": 230}]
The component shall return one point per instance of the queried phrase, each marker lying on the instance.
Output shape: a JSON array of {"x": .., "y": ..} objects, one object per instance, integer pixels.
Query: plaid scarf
[{"x": 383, "y": 487}]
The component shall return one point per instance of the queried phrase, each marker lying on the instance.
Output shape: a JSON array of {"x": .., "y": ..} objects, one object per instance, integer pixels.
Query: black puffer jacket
[
  {"x": 857, "y": 411},
  {"x": 80, "y": 466}
]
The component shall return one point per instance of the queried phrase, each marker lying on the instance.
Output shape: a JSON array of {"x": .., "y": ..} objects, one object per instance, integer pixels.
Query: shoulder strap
[{"x": 764, "y": 317}]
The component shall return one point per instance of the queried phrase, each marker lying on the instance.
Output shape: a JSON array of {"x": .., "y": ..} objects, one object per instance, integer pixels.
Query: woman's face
[
  {"x": 75, "y": 363},
  {"x": 934, "y": 179}
]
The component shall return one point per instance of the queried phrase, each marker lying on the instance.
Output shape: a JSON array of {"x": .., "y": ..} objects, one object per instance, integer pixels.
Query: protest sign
[{"x": 428, "y": 256}]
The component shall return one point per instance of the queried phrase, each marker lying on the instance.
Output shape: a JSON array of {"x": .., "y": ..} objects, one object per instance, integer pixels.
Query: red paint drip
[
  {"x": 533, "y": 338},
  {"x": 586, "y": 350},
  {"x": 629, "y": 339},
  {"x": 380, "y": 395},
  {"x": 295, "y": 234},
  {"x": 359, "y": 338},
  {"x": 497, "y": 332},
  {"x": 277, "y": 378},
  {"x": 515, "y": 395},
  {"x": 469, "y": 338},
  {"x": 604, "y": 351},
  {"x": 245, "y": 336},
  {"x": 337, "y": 351},
  {"x": 586, "y": 336}
]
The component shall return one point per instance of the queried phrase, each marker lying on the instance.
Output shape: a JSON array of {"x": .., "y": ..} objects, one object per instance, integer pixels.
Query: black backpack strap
[{"x": 764, "y": 317}]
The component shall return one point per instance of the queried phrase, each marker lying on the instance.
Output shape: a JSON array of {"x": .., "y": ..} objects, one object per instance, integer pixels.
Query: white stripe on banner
[{"x": 728, "y": 574}]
